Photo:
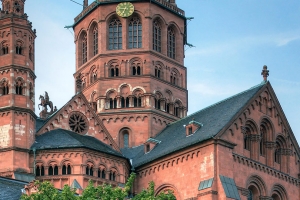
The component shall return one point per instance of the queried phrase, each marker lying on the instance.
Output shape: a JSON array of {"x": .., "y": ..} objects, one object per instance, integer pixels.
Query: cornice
[
  {"x": 18, "y": 109},
  {"x": 15, "y": 149},
  {"x": 2, "y": 68}
]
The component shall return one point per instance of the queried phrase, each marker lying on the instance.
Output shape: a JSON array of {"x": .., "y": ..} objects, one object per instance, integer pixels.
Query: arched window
[
  {"x": 135, "y": 33},
  {"x": 174, "y": 78},
  {"x": 103, "y": 174},
  {"x": 112, "y": 176},
  {"x": 263, "y": 135},
  {"x": 114, "y": 71},
  {"x": 87, "y": 170},
  {"x": 19, "y": 87},
  {"x": 91, "y": 171},
  {"x": 64, "y": 170},
  {"x": 247, "y": 139},
  {"x": 136, "y": 69},
  {"x": 126, "y": 139},
  {"x": 122, "y": 102},
  {"x": 157, "y": 72},
  {"x": 168, "y": 108},
  {"x": 156, "y": 36},
  {"x": 5, "y": 88},
  {"x": 69, "y": 169},
  {"x": 4, "y": 49},
  {"x": 127, "y": 102},
  {"x": 157, "y": 103},
  {"x": 55, "y": 170},
  {"x": 95, "y": 40},
  {"x": 277, "y": 156},
  {"x": 37, "y": 171},
  {"x": 176, "y": 110},
  {"x": 84, "y": 48},
  {"x": 115, "y": 34},
  {"x": 19, "y": 49},
  {"x": 137, "y": 102},
  {"x": 50, "y": 171},
  {"x": 171, "y": 43}
]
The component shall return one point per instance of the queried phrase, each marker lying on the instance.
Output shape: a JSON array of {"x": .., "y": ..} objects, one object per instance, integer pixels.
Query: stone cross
[{"x": 265, "y": 72}]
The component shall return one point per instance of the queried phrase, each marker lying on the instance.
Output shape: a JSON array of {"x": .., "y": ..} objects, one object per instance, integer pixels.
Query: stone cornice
[
  {"x": 18, "y": 109},
  {"x": 3, "y": 68},
  {"x": 266, "y": 169},
  {"x": 14, "y": 149},
  {"x": 142, "y": 111}
]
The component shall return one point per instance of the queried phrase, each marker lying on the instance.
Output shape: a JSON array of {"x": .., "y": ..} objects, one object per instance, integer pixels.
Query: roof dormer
[
  {"x": 150, "y": 144},
  {"x": 192, "y": 127}
]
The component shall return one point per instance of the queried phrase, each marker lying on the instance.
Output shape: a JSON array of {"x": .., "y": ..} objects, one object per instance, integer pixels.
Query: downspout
[{"x": 33, "y": 149}]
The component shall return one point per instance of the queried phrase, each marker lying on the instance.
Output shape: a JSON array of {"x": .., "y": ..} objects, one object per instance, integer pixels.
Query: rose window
[{"x": 78, "y": 122}]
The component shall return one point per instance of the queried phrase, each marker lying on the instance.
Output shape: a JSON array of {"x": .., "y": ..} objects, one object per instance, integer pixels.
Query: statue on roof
[{"x": 45, "y": 102}]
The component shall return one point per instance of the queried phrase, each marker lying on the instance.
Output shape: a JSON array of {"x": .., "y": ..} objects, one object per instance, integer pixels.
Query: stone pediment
[{"x": 77, "y": 116}]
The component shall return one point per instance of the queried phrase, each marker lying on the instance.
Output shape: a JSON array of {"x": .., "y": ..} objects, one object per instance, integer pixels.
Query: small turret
[{"x": 13, "y": 6}]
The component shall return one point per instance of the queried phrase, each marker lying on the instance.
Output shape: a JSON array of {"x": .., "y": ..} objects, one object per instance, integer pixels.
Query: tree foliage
[{"x": 46, "y": 191}]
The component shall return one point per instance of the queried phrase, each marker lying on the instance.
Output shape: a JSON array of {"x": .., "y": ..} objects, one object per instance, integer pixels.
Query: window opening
[
  {"x": 171, "y": 43},
  {"x": 95, "y": 40},
  {"x": 55, "y": 170},
  {"x": 127, "y": 102},
  {"x": 112, "y": 72},
  {"x": 115, "y": 34},
  {"x": 64, "y": 170},
  {"x": 37, "y": 171},
  {"x": 42, "y": 171},
  {"x": 69, "y": 169},
  {"x": 135, "y": 33},
  {"x": 84, "y": 48},
  {"x": 126, "y": 139},
  {"x": 156, "y": 36},
  {"x": 50, "y": 171},
  {"x": 122, "y": 102},
  {"x": 115, "y": 102}
]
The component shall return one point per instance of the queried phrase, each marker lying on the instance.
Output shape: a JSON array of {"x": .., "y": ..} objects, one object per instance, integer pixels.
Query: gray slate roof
[
  {"x": 11, "y": 189},
  {"x": 214, "y": 118},
  {"x": 60, "y": 138}
]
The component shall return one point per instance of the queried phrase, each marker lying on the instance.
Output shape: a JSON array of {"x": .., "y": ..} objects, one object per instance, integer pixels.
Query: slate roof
[
  {"x": 11, "y": 189},
  {"x": 173, "y": 138},
  {"x": 60, "y": 138}
]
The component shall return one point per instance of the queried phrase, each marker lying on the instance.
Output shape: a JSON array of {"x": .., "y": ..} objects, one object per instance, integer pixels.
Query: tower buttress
[{"x": 17, "y": 83}]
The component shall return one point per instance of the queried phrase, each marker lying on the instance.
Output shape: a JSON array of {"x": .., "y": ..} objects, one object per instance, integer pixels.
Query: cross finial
[{"x": 265, "y": 72}]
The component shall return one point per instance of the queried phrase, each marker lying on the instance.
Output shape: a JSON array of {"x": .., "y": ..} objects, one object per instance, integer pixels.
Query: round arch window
[{"x": 78, "y": 122}]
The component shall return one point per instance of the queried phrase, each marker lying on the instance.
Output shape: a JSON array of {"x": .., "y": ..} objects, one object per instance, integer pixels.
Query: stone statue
[{"x": 45, "y": 102}]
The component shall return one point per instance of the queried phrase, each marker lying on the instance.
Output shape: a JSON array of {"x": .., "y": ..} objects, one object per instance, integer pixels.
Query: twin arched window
[
  {"x": 19, "y": 49},
  {"x": 89, "y": 170},
  {"x": 19, "y": 87},
  {"x": 5, "y": 88},
  {"x": 4, "y": 48},
  {"x": 66, "y": 169},
  {"x": 40, "y": 171},
  {"x": 53, "y": 170}
]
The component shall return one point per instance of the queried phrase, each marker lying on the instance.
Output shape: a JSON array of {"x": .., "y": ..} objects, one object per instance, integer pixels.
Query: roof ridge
[{"x": 219, "y": 102}]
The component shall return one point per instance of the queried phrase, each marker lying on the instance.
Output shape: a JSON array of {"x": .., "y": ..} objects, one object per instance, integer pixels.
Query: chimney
[{"x": 85, "y": 3}]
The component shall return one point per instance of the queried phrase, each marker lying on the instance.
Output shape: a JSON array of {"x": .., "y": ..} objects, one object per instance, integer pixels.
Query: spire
[{"x": 265, "y": 72}]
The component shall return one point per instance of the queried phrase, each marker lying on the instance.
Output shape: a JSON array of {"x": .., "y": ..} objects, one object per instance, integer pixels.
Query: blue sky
[{"x": 233, "y": 39}]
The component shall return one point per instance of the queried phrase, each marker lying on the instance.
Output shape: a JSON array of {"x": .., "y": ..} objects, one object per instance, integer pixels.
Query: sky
[{"x": 233, "y": 39}]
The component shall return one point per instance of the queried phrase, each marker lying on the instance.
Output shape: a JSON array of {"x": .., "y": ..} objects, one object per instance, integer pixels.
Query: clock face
[{"x": 125, "y": 9}]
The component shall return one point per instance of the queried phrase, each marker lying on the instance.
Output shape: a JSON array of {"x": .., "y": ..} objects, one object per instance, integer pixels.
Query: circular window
[{"x": 78, "y": 122}]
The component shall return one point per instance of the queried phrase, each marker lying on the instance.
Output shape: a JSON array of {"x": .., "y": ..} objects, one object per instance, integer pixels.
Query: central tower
[{"x": 130, "y": 65}]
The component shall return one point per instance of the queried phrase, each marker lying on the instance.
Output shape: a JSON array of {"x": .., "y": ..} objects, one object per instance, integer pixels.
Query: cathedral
[{"x": 129, "y": 114}]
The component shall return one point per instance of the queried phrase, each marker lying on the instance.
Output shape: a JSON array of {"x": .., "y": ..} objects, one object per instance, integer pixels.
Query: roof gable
[{"x": 61, "y": 120}]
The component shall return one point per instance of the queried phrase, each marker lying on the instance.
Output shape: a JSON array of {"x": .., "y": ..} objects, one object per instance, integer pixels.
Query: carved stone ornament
[{"x": 78, "y": 122}]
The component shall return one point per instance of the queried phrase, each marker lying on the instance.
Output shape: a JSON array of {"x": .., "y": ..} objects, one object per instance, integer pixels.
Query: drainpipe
[{"x": 33, "y": 149}]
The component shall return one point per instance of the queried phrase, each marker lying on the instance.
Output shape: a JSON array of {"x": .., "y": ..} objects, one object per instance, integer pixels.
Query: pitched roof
[
  {"x": 11, "y": 189},
  {"x": 214, "y": 118},
  {"x": 60, "y": 138}
]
